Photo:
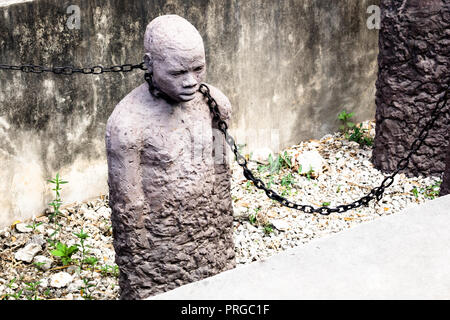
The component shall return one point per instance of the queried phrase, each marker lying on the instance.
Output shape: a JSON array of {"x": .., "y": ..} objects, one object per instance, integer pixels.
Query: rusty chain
[
  {"x": 69, "y": 70},
  {"x": 376, "y": 192}
]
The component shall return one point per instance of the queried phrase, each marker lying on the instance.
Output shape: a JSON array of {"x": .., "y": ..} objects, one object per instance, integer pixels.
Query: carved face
[{"x": 179, "y": 73}]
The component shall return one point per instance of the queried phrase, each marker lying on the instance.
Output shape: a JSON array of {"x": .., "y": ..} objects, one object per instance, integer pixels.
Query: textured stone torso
[{"x": 171, "y": 202}]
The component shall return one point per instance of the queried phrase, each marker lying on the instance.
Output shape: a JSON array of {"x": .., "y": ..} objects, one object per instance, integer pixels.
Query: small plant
[
  {"x": 115, "y": 271},
  {"x": 104, "y": 270},
  {"x": 270, "y": 182},
  {"x": 326, "y": 204},
  {"x": 415, "y": 192},
  {"x": 32, "y": 287},
  {"x": 47, "y": 292},
  {"x": 275, "y": 165},
  {"x": 287, "y": 181},
  {"x": 56, "y": 203},
  {"x": 359, "y": 137},
  {"x": 286, "y": 160},
  {"x": 252, "y": 217},
  {"x": 11, "y": 283},
  {"x": 85, "y": 290},
  {"x": 17, "y": 295},
  {"x": 309, "y": 173},
  {"x": 430, "y": 192},
  {"x": 345, "y": 118},
  {"x": 108, "y": 269},
  {"x": 34, "y": 225},
  {"x": 268, "y": 228},
  {"x": 248, "y": 186},
  {"x": 92, "y": 261},
  {"x": 38, "y": 265},
  {"x": 286, "y": 192},
  {"x": 52, "y": 242},
  {"x": 82, "y": 236},
  {"x": 64, "y": 252},
  {"x": 358, "y": 134}
]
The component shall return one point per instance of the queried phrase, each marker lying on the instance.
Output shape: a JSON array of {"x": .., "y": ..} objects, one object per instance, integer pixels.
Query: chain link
[
  {"x": 69, "y": 70},
  {"x": 375, "y": 193}
]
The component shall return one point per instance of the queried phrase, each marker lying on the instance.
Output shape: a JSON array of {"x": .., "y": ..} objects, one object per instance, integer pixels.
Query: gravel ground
[{"x": 262, "y": 227}]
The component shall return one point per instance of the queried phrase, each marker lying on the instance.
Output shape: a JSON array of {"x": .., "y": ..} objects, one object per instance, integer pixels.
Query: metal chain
[
  {"x": 375, "y": 193},
  {"x": 69, "y": 70}
]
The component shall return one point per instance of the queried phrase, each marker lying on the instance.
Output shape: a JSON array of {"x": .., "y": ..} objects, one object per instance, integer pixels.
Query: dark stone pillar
[
  {"x": 414, "y": 70},
  {"x": 445, "y": 186}
]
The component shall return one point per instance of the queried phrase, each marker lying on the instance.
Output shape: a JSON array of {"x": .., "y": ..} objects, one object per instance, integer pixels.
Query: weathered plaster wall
[{"x": 289, "y": 67}]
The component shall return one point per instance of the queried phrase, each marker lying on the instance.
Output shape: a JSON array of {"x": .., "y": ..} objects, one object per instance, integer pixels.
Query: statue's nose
[{"x": 189, "y": 81}]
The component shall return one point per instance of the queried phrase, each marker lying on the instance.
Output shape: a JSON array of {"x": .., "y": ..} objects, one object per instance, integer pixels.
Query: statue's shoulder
[
  {"x": 222, "y": 100},
  {"x": 130, "y": 106},
  {"x": 127, "y": 116}
]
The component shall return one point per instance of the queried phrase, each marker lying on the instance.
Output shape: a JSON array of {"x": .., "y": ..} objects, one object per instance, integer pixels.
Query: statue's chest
[{"x": 179, "y": 139}]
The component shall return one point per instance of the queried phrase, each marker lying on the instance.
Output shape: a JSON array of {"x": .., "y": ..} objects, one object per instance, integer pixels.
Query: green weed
[
  {"x": 345, "y": 118},
  {"x": 57, "y": 202},
  {"x": 252, "y": 217},
  {"x": 359, "y": 136},
  {"x": 64, "y": 252},
  {"x": 111, "y": 270},
  {"x": 288, "y": 180},
  {"x": 32, "y": 287},
  {"x": 430, "y": 192},
  {"x": 268, "y": 228},
  {"x": 82, "y": 236},
  {"x": 275, "y": 165},
  {"x": 309, "y": 173},
  {"x": 34, "y": 225}
]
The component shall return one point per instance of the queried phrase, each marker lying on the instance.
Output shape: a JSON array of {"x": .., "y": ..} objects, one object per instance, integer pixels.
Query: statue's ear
[{"x": 148, "y": 62}]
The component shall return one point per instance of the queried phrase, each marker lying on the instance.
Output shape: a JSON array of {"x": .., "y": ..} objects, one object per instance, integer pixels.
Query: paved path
[{"x": 402, "y": 256}]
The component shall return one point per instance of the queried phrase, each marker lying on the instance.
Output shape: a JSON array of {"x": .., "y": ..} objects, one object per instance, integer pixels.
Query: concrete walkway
[{"x": 402, "y": 256}]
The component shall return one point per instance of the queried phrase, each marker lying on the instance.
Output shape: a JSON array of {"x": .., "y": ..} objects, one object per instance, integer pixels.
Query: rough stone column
[
  {"x": 414, "y": 70},
  {"x": 445, "y": 186}
]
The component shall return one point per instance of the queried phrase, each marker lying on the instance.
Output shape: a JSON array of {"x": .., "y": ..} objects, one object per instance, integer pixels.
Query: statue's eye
[
  {"x": 198, "y": 69},
  {"x": 178, "y": 73}
]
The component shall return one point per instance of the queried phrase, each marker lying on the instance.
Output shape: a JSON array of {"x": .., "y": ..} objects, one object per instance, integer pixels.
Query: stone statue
[{"x": 168, "y": 170}]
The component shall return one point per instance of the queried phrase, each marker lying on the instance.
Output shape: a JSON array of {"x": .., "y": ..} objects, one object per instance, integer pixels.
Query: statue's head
[{"x": 175, "y": 56}]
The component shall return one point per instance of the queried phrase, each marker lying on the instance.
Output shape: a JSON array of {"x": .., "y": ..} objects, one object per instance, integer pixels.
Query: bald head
[
  {"x": 169, "y": 33},
  {"x": 175, "y": 56}
]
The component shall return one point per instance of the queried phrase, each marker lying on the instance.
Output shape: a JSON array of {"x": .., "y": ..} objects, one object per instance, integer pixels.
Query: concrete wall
[{"x": 289, "y": 67}]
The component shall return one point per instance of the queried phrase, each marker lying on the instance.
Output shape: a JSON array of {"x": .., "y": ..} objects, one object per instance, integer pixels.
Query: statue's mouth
[{"x": 188, "y": 94}]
